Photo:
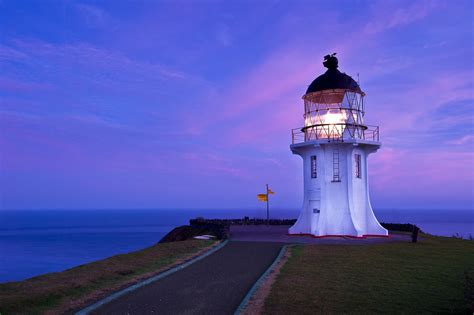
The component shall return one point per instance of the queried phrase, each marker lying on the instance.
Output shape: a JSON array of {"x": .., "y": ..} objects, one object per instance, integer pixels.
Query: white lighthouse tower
[{"x": 335, "y": 144}]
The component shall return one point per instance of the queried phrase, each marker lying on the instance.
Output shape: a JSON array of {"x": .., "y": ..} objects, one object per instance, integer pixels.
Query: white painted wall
[{"x": 344, "y": 207}]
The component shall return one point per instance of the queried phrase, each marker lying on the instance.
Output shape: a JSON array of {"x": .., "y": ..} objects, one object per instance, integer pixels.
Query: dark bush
[
  {"x": 244, "y": 221},
  {"x": 182, "y": 233},
  {"x": 401, "y": 227}
]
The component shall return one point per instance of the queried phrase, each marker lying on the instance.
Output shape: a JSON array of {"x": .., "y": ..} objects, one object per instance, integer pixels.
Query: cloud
[
  {"x": 421, "y": 113},
  {"x": 92, "y": 16},
  {"x": 11, "y": 85},
  {"x": 10, "y": 54},
  {"x": 391, "y": 14},
  {"x": 141, "y": 111},
  {"x": 254, "y": 98},
  {"x": 95, "y": 120},
  {"x": 223, "y": 36},
  {"x": 467, "y": 140},
  {"x": 90, "y": 64}
]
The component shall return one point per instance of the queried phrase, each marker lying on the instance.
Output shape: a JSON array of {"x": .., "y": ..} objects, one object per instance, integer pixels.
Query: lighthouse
[{"x": 334, "y": 144}]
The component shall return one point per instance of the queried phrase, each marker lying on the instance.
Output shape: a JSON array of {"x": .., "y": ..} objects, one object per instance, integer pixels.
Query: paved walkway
[
  {"x": 279, "y": 233},
  {"x": 214, "y": 285},
  {"x": 218, "y": 283}
]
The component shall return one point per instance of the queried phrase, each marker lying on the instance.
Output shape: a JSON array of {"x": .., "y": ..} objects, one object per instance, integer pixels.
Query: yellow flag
[
  {"x": 270, "y": 192},
  {"x": 262, "y": 197}
]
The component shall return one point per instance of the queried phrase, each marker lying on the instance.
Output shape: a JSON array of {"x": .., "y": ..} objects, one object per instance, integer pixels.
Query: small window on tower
[
  {"x": 358, "y": 172},
  {"x": 314, "y": 164}
]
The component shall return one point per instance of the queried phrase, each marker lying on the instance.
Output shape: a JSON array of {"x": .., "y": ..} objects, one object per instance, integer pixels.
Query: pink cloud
[
  {"x": 422, "y": 174},
  {"x": 233, "y": 132},
  {"x": 465, "y": 140}
]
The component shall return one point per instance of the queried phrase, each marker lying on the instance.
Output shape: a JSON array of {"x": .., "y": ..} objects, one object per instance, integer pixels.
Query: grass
[
  {"x": 430, "y": 276},
  {"x": 60, "y": 292}
]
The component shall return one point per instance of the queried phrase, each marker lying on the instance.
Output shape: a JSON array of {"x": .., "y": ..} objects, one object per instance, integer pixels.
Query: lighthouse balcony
[{"x": 339, "y": 132}]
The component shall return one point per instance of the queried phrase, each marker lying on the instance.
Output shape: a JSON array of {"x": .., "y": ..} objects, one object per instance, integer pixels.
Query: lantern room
[{"x": 334, "y": 108}]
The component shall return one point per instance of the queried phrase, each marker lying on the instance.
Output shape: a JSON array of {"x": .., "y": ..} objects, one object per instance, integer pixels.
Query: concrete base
[{"x": 279, "y": 233}]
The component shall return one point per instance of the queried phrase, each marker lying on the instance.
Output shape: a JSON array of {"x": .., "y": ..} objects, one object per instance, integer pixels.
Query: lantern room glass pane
[{"x": 335, "y": 114}]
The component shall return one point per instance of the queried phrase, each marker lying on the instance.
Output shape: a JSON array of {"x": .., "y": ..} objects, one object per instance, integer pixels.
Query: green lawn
[
  {"x": 426, "y": 277},
  {"x": 62, "y": 291}
]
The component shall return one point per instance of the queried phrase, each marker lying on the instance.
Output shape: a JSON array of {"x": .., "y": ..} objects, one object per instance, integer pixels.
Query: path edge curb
[
  {"x": 259, "y": 282},
  {"x": 138, "y": 285}
]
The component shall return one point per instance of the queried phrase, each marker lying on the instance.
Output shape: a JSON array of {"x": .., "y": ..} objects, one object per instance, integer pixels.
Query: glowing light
[
  {"x": 331, "y": 123},
  {"x": 334, "y": 117}
]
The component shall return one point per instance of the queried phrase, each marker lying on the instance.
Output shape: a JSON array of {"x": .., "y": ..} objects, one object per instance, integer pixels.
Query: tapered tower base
[{"x": 336, "y": 196}]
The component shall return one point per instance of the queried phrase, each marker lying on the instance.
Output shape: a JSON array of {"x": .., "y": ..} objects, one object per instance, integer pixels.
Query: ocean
[{"x": 34, "y": 242}]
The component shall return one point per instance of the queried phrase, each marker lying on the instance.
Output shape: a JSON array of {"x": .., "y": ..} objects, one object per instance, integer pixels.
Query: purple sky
[{"x": 120, "y": 104}]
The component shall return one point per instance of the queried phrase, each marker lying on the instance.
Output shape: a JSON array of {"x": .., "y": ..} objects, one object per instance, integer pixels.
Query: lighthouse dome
[{"x": 333, "y": 78}]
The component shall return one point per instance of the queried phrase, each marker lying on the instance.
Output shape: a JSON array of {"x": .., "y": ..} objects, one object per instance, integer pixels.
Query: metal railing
[
  {"x": 335, "y": 132},
  {"x": 372, "y": 133}
]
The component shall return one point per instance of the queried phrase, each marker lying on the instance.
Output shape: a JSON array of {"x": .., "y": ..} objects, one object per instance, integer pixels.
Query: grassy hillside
[
  {"x": 62, "y": 291},
  {"x": 432, "y": 276}
]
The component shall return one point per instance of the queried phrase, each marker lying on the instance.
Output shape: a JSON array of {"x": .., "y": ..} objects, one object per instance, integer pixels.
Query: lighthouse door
[{"x": 315, "y": 206}]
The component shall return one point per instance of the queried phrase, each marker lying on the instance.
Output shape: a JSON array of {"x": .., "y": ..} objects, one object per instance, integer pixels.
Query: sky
[{"x": 190, "y": 104}]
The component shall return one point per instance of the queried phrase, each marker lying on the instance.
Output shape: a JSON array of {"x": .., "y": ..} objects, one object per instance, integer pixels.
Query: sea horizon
[{"x": 34, "y": 242}]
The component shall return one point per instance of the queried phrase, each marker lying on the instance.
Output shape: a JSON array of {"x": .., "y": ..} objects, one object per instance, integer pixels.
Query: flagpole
[{"x": 268, "y": 211}]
